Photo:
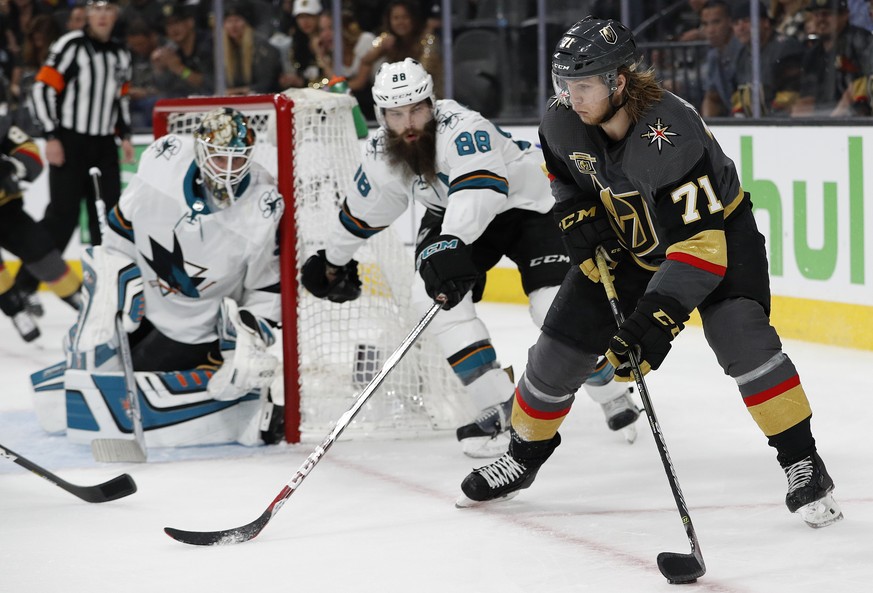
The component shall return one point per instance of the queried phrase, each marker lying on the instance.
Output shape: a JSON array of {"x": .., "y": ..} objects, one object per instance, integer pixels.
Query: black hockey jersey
[{"x": 667, "y": 187}]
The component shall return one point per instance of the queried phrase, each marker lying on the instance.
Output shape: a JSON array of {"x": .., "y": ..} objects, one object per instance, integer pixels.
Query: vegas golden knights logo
[
  {"x": 584, "y": 162},
  {"x": 609, "y": 35},
  {"x": 630, "y": 214}
]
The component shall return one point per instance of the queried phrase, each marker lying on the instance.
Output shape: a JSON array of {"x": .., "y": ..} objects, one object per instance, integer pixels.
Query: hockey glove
[
  {"x": 248, "y": 365},
  {"x": 584, "y": 229},
  {"x": 648, "y": 332},
  {"x": 336, "y": 283},
  {"x": 447, "y": 269}
]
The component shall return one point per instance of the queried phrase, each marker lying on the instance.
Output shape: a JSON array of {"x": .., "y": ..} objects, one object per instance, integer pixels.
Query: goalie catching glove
[
  {"x": 447, "y": 269},
  {"x": 584, "y": 228},
  {"x": 247, "y": 364},
  {"x": 336, "y": 283},
  {"x": 648, "y": 331}
]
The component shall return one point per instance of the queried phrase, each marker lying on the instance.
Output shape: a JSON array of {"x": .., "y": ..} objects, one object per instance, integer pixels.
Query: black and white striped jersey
[{"x": 83, "y": 87}]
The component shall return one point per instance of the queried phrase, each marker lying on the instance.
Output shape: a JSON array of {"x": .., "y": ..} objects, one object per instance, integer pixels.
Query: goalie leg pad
[{"x": 176, "y": 408}]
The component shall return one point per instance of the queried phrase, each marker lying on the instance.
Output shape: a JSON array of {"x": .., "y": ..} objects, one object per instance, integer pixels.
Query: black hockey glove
[
  {"x": 584, "y": 228},
  {"x": 447, "y": 269},
  {"x": 336, "y": 283},
  {"x": 7, "y": 167},
  {"x": 649, "y": 331}
]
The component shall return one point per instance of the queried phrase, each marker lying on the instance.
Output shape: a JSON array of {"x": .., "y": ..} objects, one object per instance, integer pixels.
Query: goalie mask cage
[{"x": 306, "y": 139}]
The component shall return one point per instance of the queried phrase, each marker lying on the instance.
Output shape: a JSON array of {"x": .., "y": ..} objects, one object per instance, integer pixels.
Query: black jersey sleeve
[
  {"x": 564, "y": 187},
  {"x": 691, "y": 216}
]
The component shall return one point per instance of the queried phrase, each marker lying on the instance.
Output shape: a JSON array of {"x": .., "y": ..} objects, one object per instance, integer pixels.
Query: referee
[{"x": 80, "y": 99}]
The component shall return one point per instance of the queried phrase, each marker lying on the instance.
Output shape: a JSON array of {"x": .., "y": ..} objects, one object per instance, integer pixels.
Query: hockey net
[{"x": 306, "y": 140}]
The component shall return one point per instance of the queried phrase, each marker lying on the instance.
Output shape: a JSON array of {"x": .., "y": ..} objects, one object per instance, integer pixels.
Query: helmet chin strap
[{"x": 613, "y": 109}]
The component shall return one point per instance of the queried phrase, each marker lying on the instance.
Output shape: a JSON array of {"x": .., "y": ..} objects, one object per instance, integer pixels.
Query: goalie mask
[
  {"x": 223, "y": 145},
  {"x": 401, "y": 83},
  {"x": 587, "y": 58}
]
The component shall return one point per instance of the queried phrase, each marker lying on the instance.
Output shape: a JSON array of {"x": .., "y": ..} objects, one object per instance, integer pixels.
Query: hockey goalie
[{"x": 190, "y": 260}]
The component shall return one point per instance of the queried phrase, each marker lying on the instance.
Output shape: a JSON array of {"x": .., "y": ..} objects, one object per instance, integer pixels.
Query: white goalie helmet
[
  {"x": 401, "y": 83},
  {"x": 223, "y": 145}
]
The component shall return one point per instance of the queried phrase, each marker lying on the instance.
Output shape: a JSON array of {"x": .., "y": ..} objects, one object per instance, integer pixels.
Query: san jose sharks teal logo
[
  {"x": 168, "y": 147},
  {"x": 173, "y": 272}
]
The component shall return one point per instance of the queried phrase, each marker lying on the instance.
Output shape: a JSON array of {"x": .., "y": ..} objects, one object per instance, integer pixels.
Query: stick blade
[
  {"x": 117, "y": 451},
  {"x": 113, "y": 489},
  {"x": 681, "y": 568},
  {"x": 224, "y": 537}
]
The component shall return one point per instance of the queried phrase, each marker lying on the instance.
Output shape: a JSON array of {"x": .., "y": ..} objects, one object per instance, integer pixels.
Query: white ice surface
[{"x": 379, "y": 516}]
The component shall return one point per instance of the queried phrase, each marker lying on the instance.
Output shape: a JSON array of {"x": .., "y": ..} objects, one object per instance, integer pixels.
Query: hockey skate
[
  {"x": 621, "y": 414},
  {"x": 809, "y": 492},
  {"x": 487, "y": 435},
  {"x": 505, "y": 478},
  {"x": 26, "y": 326},
  {"x": 33, "y": 304}
]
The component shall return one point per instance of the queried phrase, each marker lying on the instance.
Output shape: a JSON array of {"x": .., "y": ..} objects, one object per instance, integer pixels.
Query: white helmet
[
  {"x": 401, "y": 83},
  {"x": 224, "y": 132}
]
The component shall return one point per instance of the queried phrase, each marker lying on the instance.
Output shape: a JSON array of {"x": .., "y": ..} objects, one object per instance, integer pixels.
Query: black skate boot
[
  {"x": 513, "y": 472},
  {"x": 272, "y": 422},
  {"x": 12, "y": 304},
  {"x": 809, "y": 492},
  {"x": 620, "y": 412},
  {"x": 26, "y": 326},
  {"x": 483, "y": 437},
  {"x": 33, "y": 304}
]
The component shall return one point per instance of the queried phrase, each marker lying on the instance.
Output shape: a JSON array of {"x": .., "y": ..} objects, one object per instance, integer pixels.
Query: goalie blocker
[{"x": 85, "y": 395}]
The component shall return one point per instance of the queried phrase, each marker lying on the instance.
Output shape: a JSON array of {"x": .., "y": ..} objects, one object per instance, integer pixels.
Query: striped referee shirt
[{"x": 83, "y": 86}]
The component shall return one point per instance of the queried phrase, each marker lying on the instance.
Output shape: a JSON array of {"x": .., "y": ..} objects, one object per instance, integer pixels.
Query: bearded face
[
  {"x": 411, "y": 138},
  {"x": 414, "y": 152}
]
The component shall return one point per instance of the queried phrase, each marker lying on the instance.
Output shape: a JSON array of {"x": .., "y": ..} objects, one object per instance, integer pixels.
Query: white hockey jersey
[
  {"x": 482, "y": 172},
  {"x": 190, "y": 254}
]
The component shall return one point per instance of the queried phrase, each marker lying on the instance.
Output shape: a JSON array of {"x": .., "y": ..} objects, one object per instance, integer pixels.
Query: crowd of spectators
[
  {"x": 816, "y": 56},
  {"x": 268, "y": 46}
]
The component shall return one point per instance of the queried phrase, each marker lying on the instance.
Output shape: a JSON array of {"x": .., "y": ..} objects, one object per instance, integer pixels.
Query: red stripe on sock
[
  {"x": 768, "y": 394},
  {"x": 538, "y": 414}
]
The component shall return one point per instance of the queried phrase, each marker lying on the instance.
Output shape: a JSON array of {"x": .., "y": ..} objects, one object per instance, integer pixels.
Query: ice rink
[{"x": 378, "y": 516}]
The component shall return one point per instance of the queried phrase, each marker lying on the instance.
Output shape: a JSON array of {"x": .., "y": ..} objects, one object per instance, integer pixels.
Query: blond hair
[
  {"x": 641, "y": 91},
  {"x": 239, "y": 61}
]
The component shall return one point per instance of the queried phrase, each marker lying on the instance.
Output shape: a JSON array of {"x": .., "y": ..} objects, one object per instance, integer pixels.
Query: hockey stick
[
  {"x": 117, "y": 487},
  {"x": 251, "y": 530},
  {"x": 119, "y": 450},
  {"x": 678, "y": 568}
]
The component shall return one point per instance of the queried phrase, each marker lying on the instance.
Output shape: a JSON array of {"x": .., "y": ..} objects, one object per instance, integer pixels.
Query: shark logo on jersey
[
  {"x": 584, "y": 162},
  {"x": 659, "y": 133},
  {"x": 169, "y": 147},
  {"x": 271, "y": 205},
  {"x": 172, "y": 271},
  {"x": 448, "y": 121}
]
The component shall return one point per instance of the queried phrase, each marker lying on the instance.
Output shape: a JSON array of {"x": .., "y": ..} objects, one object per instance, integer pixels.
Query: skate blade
[
  {"x": 486, "y": 447},
  {"x": 463, "y": 502},
  {"x": 821, "y": 513},
  {"x": 630, "y": 433}
]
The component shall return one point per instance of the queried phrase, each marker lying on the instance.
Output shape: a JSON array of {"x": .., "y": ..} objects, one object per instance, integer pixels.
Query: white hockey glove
[{"x": 247, "y": 363}]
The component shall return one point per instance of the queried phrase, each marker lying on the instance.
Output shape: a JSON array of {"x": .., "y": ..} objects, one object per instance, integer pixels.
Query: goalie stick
[
  {"x": 117, "y": 487},
  {"x": 120, "y": 450},
  {"x": 677, "y": 568},
  {"x": 251, "y": 530}
]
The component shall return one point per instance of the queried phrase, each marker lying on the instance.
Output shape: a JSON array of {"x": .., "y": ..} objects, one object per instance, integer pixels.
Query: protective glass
[{"x": 587, "y": 90}]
